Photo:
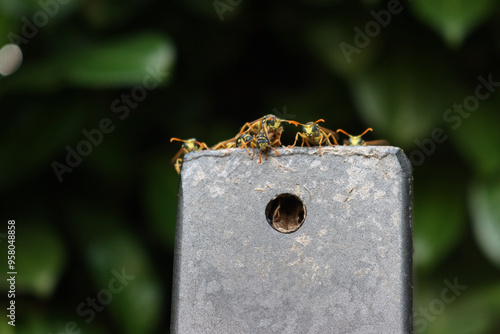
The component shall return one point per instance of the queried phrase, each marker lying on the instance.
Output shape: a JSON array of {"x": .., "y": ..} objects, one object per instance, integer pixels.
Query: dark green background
[{"x": 117, "y": 208}]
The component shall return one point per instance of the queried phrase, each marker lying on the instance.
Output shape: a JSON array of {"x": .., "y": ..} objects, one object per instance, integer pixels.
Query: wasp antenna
[
  {"x": 319, "y": 120},
  {"x": 340, "y": 130},
  {"x": 176, "y": 139},
  {"x": 369, "y": 129},
  {"x": 294, "y": 123}
]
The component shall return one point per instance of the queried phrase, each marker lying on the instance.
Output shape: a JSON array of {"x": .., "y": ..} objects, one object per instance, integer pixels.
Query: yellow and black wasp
[
  {"x": 313, "y": 134},
  {"x": 244, "y": 140},
  {"x": 240, "y": 141},
  {"x": 262, "y": 143},
  {"x": 358, "y": 141},
  {"x": 188, "y": 145}
]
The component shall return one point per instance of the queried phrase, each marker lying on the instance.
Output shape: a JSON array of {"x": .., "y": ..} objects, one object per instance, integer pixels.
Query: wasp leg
[
  {"x": 243, "y": 128},
  {"x": 274, "y": 151},
  {"x": 251, "y": 127},
  {"x": 327, "y": 135},
  {"x": 304, "y": 138},
  {"x": 319, "y": 143},
  {"x": 178, "y": 164},
  {"x": 178, "y": 155},
  {"x": 275, "y": 142},
  {"x": 296, "y": 138},
  {"x": 260, "y": 158},
  {"x": 334, "y": 140},
  {"x": 246, "y": 148},
  {"x": 278, "y": 139},
  {"x": 203, "y": 145}
]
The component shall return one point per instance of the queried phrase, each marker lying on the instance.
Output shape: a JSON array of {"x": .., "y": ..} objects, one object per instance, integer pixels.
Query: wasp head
[
  {"x": 271, "y": 122},
  {"x": 310, "y": 129},
  {"x": 262, "y": 141},
  {"x": 188, "y": 144},
  {"x": 355, "y": 140},
  {"x": 191, "y": 145}
]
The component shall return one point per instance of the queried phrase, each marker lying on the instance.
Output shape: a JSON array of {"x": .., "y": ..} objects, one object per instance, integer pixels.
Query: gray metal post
[{"x": 345, "y": 269}]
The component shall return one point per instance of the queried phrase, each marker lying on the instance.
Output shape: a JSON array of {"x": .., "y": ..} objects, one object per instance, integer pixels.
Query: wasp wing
[
  {"x": 177, "y": 156},
  {"x": 250, "y": 125},
  {"x": 380, "y": 142},
  {"x": 328, "y": 131}
]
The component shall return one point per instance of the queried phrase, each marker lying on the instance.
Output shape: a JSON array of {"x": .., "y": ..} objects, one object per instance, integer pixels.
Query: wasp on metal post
[
  {"x": 313, "y": 134},
  {"x": 265, "y": 133},
  {"x": 188, "y": 145},
  {"x": 269, "y": 124},
  {"x": 358, "y": 141}
]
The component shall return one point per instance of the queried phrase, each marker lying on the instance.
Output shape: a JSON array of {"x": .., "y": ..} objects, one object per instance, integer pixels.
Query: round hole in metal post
[{"x": 286, "y": 213}]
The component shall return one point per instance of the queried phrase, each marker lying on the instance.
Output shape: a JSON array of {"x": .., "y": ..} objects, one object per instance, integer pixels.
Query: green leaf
[
  {"x": 122, "y": 62},
  {"x": 485, "y": 210},
  {"x": 110, "y": 251},
  {"x": 402, "y": 100},
  {"x": 5, "y": 328},
  {"x": 142, "y": 60},
  {"x": 7, "y": 25},
  {"x": 40, "y": 258},
  {"x": 453, "y": 19},
  {"x": 474, "y": 137},
  {"x": 438, "y": 229}
]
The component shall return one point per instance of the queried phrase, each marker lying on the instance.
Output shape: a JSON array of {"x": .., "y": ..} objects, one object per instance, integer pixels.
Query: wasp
[
  {"x": 262, "y": 143},
  {"x": 313, "y": 134},
  {"x": 188, "y": 145},
  {"x": 240, "y": 141},
  {"x": 358, "y": 141},
  {"x": 269, "y": 124},
  {"x": 244, "y": 140}
]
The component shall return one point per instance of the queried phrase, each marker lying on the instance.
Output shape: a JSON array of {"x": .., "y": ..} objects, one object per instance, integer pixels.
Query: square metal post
[{"x": 346, "y": 269}]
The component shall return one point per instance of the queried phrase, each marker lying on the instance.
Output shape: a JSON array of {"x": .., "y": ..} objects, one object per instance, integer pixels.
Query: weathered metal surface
[{"x": 347, "y": 269}]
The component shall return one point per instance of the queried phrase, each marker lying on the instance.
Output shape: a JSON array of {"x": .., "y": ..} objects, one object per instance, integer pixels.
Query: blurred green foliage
[{"x": 189, "y": 68}]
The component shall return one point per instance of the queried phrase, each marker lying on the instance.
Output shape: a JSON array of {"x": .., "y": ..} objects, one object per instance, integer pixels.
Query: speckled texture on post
[{"x": 346, "y": 270}]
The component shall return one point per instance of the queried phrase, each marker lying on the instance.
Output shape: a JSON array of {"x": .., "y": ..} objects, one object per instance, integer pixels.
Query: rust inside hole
[{"x": 286, "y": 213}]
